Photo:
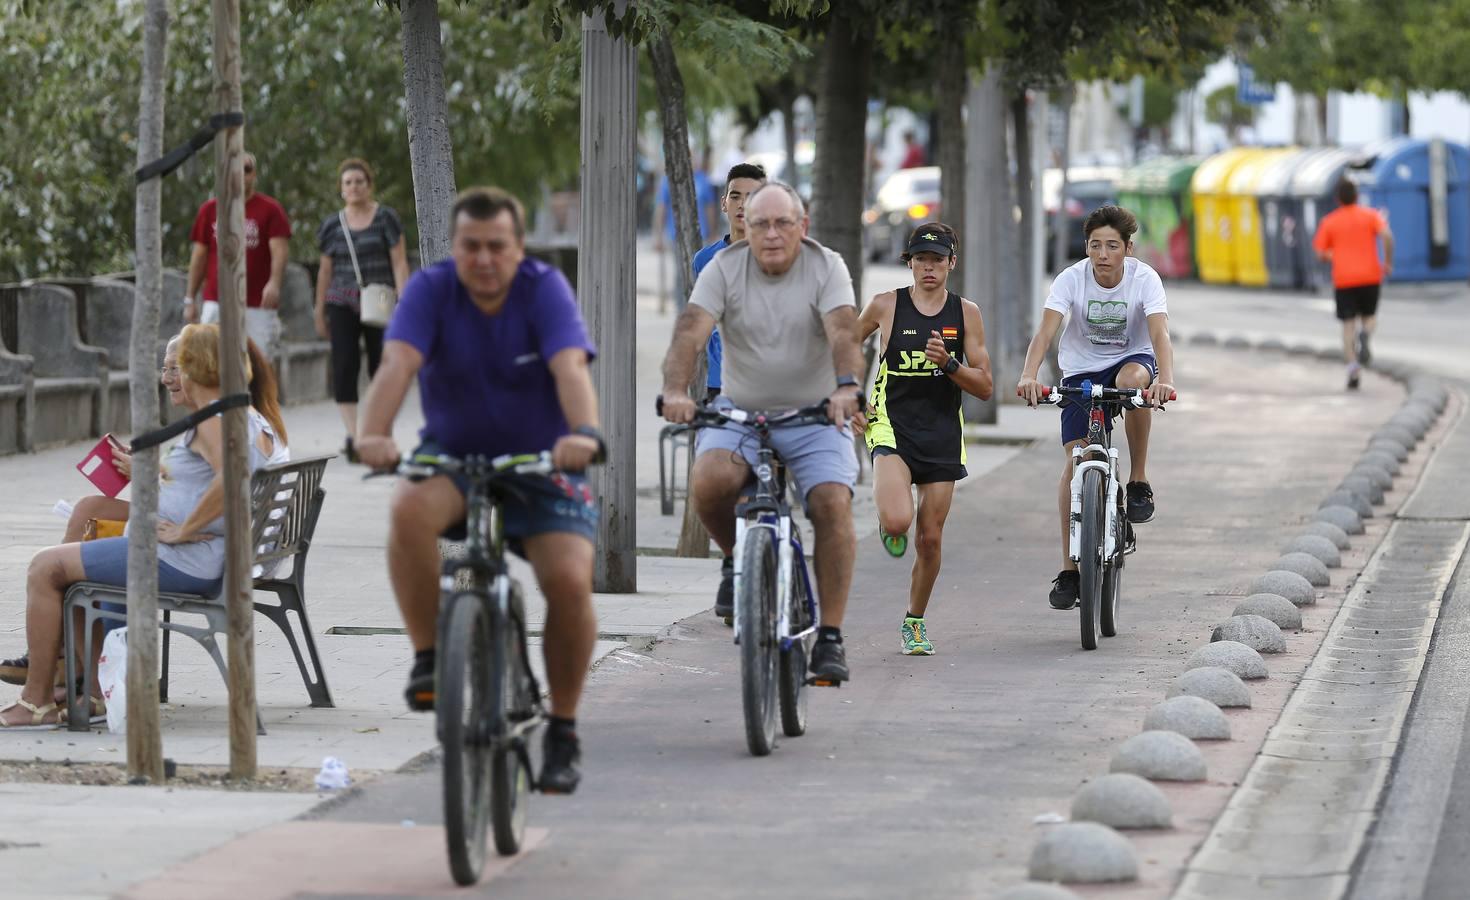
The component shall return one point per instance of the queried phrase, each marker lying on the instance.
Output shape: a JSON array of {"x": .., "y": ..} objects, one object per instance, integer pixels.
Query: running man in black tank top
[{"x": 933, "y": 349}]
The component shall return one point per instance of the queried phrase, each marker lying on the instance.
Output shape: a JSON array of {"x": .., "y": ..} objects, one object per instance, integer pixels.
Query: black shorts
[
  {"x": 1357, "y": 301},
  {"x": 922, "y": 472}
]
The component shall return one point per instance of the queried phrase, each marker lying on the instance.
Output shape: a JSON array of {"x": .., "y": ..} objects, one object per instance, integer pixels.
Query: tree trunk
[
  {"x": 145, "y": 741},
  {"x": 230, "y": 237},
  {"x": 431, "y": 156},
  {"x": 990, "y": 245},
  {"x": 842, "y": 113},
  {"x": 949, "y": 151},
  {"x": 1064, "y": 224},
  {"x": 606, "y": 282},
  {"x": 788, "y": 131},
  {"x": 693, "y": 538},
  {"x": 1018, "y": 323}
]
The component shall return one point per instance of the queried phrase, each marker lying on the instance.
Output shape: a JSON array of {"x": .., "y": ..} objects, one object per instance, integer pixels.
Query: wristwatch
[
  {"x": 589, "y": 431},
  {"x": 849, "y": 381},
  {"x": 951, "y": 365}
]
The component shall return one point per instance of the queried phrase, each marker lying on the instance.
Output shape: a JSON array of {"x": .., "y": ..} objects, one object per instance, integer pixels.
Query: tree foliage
[{"x": 1342, "y": 45}]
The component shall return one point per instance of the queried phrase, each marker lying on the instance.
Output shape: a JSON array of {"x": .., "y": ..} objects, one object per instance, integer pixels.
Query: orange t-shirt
[{"x": 1351, "y": 233}]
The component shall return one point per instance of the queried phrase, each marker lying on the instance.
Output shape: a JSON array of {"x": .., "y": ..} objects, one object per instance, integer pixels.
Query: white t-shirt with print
[{"x": 1104, "y": 325}]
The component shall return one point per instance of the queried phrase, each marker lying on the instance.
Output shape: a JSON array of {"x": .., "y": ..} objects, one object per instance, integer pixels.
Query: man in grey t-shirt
[{"x": 786, "y": 312}]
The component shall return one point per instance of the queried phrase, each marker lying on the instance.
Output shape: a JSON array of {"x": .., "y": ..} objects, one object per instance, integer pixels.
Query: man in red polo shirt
[
  {"x": 267, "y": 243},
  {"x": 1348, "y": 238}
]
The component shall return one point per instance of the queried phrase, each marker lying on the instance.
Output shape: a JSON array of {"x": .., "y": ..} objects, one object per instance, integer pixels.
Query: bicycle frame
[
  {"x": 769, "y": 509},
  {"x": 1098, "y": 453}
]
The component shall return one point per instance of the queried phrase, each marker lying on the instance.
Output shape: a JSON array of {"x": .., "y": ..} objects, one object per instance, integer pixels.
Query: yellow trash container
[{"x": 1213, "y": 228}]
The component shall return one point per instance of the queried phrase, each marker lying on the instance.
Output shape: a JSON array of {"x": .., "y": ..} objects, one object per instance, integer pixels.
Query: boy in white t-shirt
[{"x": 1117, "y": 334}]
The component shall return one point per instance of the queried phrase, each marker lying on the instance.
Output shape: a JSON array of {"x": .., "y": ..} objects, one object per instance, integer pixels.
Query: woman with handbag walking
[{"x": 363, "y": 268}]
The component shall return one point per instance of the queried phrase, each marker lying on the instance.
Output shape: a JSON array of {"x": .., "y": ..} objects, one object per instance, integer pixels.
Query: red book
[{"x": 99, "y": 468}]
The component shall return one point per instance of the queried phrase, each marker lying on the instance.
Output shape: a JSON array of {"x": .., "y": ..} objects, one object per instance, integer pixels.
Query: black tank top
[{"x": 916, "y": 406}]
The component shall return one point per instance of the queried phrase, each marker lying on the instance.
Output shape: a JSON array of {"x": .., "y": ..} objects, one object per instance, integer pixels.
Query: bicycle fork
[{"x": 1074, "y": 519}]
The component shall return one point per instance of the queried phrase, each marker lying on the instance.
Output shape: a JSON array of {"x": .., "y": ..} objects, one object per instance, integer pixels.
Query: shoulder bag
[{"x": 375, "y": 301}]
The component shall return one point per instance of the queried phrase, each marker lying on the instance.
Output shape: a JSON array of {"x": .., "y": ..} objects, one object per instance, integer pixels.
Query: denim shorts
[
  {"x": 1074, "y": 412},
  {"x": 106, "y": 561},
  {"x": 812, "y": 454},
  {"x": 560, "y": 503}
]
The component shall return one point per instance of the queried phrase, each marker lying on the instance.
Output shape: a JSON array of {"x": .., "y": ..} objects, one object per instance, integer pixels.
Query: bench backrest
[{"x": 285, "y": 500}]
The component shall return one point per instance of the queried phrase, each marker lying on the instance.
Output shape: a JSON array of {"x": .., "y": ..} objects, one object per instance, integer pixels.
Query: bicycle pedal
[{"x": 814, "y": 681}]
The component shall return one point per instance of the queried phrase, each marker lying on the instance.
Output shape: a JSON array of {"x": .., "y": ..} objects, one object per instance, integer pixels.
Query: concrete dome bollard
[
  {"x": 1343, "y": 517},
  {"x": 1219, "y": 686},
  {"x": 1194, "y": 717},
  {"x": 1305, "y": 565},
  {"x": 1037, "y": 891},
  {"x": 1161, "y": 756},
  {"x": 1414, "y": 423},
  {"x": 1395, "y": 449},
  {"x": 1272, "y": 607},
  {"x": 1357, "y": 504},
  {"x": 1256, "y": 632},
  {"x": 1122, "y": 800},
  {"x": 1364, "y": 487},
  {"x": 1233, "y": 656},
  {"x": 1082, "y": 853},
  {"x": 1337, "y": 536},
  {"x": 1287, "y": 584},
  {"x": 1316, "y": 546},
  {"x": 1378, "y": 476},
  {"x": 1397, "y": 433}
]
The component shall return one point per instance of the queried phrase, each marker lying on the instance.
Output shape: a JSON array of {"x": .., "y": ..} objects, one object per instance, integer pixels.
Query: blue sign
[{"x": 1248, "y": 91}]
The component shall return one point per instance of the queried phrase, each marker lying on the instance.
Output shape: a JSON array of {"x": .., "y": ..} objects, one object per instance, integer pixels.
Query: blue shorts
[
  {"x": 1074, "y": 414},
  {"x": 105, "y": 561},
  {"x": 812, "y": 454},
  {"x": 561, "y": 503}
]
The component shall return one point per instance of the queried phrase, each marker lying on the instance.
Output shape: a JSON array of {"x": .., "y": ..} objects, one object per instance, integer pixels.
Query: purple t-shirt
[{"x": 485, "y": 385}]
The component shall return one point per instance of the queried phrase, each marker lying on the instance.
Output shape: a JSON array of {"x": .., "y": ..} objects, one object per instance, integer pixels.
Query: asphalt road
[{"x": 926, "y": 774}]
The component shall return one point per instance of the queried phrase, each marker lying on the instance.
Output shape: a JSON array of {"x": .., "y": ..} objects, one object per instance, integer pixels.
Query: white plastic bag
[{"x": 112, "y": 674}]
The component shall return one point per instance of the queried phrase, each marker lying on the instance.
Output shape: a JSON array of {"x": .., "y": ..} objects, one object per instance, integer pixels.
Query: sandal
[
  {"x": 98, "y": 712},
  {"x": 38, "y": 718}
]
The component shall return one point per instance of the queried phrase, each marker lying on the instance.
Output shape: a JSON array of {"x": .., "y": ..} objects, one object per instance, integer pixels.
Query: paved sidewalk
[{"x": 357, "y": 629}]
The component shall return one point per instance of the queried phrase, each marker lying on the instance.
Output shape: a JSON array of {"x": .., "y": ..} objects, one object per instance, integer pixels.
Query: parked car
[
  {"x": 1088, "y": 187},
  {"x": 907, "y": 199}
]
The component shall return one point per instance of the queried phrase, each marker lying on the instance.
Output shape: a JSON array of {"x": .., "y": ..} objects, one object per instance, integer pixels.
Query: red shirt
[
  {"x": 1351, "y": 234},
  {"x": 265, "y": 218},
  {"x": 914, "y": 157}
]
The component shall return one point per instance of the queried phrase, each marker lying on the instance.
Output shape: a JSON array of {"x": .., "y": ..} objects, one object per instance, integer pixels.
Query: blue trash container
[{"x": 1423, "y": 189}]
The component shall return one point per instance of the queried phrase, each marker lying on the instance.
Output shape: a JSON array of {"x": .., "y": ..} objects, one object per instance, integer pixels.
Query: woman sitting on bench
[
  {"x": 264, "y": 397},
  {"x": 191, "y": 546}
]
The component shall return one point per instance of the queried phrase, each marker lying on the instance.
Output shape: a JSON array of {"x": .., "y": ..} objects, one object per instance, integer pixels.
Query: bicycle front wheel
[
  {"x": 462, "y": 706},
  {"x": 1090, "y": 561},
  {"x": 510, "y": 779},
  {"x": 759, "y": 649}
]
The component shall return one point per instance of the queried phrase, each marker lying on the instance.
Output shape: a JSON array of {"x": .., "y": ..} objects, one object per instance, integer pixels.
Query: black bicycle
[
  {"x": 1101, "y": 535},
  {"x": 487, "y": 701},
  {"x": 776, "y": 610}
]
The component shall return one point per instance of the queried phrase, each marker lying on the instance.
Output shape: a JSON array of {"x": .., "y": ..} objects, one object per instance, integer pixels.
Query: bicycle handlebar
[
  {"x": 705, "y": 417},
  {"x": 424, "y": 465},
  {"x": 1129, "y": 396}
]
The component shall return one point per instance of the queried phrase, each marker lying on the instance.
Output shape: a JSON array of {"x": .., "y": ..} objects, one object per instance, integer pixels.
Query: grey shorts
[{"x": 813, "y": 454}]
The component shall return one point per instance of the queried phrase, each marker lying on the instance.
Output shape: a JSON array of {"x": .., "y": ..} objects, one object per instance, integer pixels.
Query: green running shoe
[
  {"x": 915, "y": 638},
  {"x": 895, "y": 544}
]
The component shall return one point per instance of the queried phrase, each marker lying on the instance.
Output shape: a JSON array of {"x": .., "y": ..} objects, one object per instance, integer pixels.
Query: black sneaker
[
  {"x": 420, "y": 690},
  {"x": 1365, "y": 353},
  {"x": 725, "y": 597},
  {"x": 1140, "y": 502},
  {"x": 1352, "y": 384},
  {"x": 561, "y": 752},
  {"x": 1065, "y": 588},
  {"x": 829, "y": 661},
  {"x": 349, "y": 452}
]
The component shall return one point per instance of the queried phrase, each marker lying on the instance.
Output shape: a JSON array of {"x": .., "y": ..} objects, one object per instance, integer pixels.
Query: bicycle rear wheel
[
  {"x": 1089, "y": 563},
  {"x": 1112, "y": 583},
  {"x": 758, "y": 647},
  {"x": 510, "y": 778},
  {"x": 793, "y": 660},
  {"x": 463, "y": 710}
]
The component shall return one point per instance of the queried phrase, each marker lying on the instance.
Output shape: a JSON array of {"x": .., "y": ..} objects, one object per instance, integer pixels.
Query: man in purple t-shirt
[{"x": 501, "y": 355}]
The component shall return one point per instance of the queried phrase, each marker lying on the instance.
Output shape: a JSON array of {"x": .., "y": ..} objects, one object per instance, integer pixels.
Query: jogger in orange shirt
[{"x": 1348, "y": 238}]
